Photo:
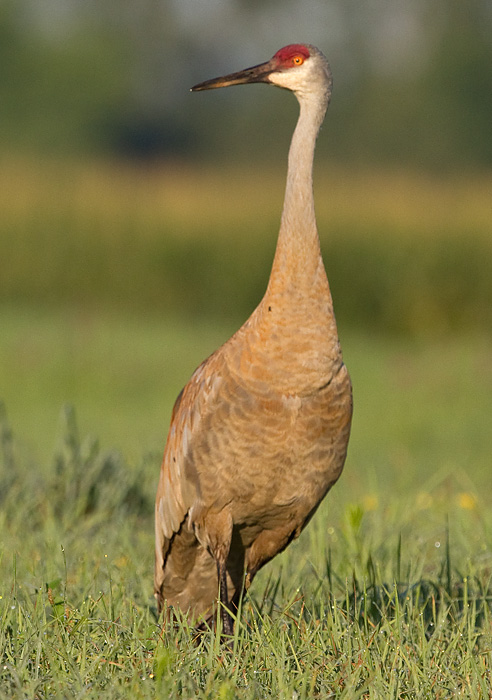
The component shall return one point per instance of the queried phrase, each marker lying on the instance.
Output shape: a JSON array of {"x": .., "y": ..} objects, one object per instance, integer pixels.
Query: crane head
[{"x": 297, "y": 67}]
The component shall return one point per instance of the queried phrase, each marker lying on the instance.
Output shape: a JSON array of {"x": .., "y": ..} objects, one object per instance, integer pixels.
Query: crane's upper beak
[{"x": 256, "y": 74}]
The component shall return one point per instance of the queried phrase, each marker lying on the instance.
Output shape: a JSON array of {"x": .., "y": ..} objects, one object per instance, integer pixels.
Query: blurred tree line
[{"x": 413, "y": 80}]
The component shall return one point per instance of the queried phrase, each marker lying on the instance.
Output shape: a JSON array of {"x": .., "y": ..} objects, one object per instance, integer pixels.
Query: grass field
[{"x": 388, "y": 592}]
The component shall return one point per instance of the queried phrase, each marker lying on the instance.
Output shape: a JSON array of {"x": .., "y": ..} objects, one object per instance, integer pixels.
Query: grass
[
  {"x": 387, "y": 593},
  {"x": 375, "y": 600}
]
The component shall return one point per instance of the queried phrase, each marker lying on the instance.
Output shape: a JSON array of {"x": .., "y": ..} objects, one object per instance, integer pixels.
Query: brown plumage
[{"x": 260, "y": 432}]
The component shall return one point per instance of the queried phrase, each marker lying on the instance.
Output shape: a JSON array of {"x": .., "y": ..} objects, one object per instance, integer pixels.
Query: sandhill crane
[{"x": 259, "y": 434}]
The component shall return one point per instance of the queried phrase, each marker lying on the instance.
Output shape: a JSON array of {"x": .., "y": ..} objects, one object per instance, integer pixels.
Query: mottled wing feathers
[{"x": 179, "y": 488}]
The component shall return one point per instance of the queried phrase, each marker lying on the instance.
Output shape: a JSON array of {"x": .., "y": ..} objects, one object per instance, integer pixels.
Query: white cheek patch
[{"x": 293, "y": 79}]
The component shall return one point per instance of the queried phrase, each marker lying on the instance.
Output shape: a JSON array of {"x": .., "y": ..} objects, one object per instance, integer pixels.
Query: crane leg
[{"x": 225, "y": 615}]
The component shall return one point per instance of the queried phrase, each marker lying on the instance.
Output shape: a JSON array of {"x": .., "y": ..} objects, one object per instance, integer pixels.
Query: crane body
[{"x": 259, "y": 434}]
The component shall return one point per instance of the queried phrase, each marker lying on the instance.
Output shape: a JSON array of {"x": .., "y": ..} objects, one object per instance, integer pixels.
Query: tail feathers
[{"x": 187, "y": 580}]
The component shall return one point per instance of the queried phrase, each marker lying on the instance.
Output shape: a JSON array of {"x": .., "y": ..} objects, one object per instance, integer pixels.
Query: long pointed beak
[{"x": 256, "y": 74}]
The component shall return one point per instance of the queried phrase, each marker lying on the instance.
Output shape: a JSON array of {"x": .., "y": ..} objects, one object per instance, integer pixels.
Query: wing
[{"x": 178, "y": 491}]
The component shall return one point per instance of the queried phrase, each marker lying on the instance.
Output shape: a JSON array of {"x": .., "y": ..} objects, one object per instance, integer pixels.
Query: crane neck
[{"x": 298, "y": 257}]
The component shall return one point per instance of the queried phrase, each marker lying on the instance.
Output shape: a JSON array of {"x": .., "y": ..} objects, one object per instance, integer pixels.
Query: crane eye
[{"x": 298, "y": 60}]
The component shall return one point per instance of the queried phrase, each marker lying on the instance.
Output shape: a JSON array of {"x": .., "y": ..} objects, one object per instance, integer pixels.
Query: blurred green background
[{"x": 138, "y": 221}]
